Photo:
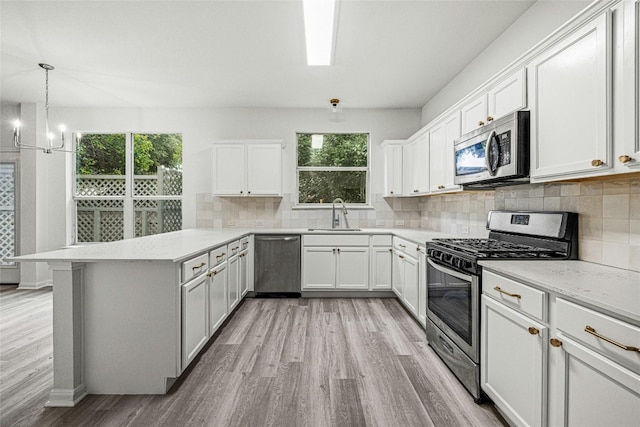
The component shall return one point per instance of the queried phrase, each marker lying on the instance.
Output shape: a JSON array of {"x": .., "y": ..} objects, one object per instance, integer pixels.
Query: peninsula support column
[{"x": 68, "y": 334}]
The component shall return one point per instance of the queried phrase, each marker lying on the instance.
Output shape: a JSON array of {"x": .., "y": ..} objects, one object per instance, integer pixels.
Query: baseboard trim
[
  {"x": 35, "y": 285},
  {"x": 66, "y": 398}
]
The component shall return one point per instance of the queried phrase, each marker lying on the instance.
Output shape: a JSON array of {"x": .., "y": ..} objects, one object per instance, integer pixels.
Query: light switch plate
[
  {"x": 259, "y": 223},
  {"x": 230, "y": 223},
  {"x": 399, "y": 221}
]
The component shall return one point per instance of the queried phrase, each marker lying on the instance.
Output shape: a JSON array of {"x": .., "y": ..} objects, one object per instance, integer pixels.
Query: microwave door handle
[{"x": 488, "y": 158}]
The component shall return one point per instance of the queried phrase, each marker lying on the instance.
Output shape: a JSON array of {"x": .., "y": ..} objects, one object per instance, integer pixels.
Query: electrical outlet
[
  {"x": 453, "y": 229},
  {"x": 380, "y": 223},
  {"x": 230, "y": 223},
  {"x": 400, "y": 222},
  {"x": 464, "y": 229},
  {"x": 259, "y": 223}
]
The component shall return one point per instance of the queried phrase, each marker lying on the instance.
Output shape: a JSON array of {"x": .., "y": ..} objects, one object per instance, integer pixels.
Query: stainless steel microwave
[{"x": 494, "y": 154}]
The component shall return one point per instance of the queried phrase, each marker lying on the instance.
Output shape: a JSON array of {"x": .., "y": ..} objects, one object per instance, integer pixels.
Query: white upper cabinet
[
  {"x": 416, "y": 165},
  {"x": 570, "y": 94},
  {"x": 474, "y": 113},
  {"x": 392, "y": 152},
  {"x": 509, "y": 95},
  {"x": 442, "y": 168},
  {"x": 247, "y": 169}
]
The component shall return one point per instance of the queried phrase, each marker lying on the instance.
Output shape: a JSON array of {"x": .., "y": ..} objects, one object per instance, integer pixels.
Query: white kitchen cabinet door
[
  {"x": 408, "y": 163},
  {"x": 474, "y": 114},
  {"x": 393, "y": 170},
  {"x": 420, "y": 166},
  {"x": 570, "y": 94},
  {"x": 422, "y": 287},
  {"x": 410, "y": 285},
  {"x": 217, "y": 297},
  {"x": 596, "y": 391},
  {"x": 229, "y": 170},
  {"x": 381, "y": 259},
  {"x": 264, "y": 170},
  {"x": 194, "y": 318},
  {"x": 513, "y": 363},
  {"x": 397, "y": 272},
  {"x": 508, "y": 95},
  {"x": 352, "y": 268},
  {"x": 441, "y": 158},
  {"x": 319, "y": 265},
  {"x": 243, "y": 273},
  {"x": 233, "y": 282}
]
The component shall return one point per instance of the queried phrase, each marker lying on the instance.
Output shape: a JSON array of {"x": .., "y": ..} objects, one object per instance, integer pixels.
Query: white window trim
[{"x": 368, "y": 203}]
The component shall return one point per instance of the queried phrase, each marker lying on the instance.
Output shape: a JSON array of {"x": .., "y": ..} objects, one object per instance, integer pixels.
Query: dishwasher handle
[{"x": 280, "y": 239}]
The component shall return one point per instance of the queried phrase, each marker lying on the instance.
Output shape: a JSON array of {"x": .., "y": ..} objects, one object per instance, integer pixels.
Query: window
[
  {"x": 333, "y": 165},
  {"x": 127, "y": 185}
]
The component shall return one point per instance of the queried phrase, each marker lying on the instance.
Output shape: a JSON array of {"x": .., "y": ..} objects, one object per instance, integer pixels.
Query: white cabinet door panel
[
  {"x": 228, "y": 169},
  {"x": 508, "y": 96},
  {"x": 194, "y": 318},
  {"x": 233, "y": 282},
  {"x": 570, "y": 104},
  {"x": 393, "y": 170},
  {"x": 217, "y": 297},
  {"x": 319, "y": 267},
  {"x": 474, "y": 112},
  {"x": 264, "y": 169},
  {"x": 353, "y": 268},
  {"x": 410, "y": 289},
  {"x": 381, "y": 268}
]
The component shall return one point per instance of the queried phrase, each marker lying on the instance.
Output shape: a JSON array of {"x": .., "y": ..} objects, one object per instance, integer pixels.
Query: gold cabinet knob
[
  {"x": 533, "y": 331},
  {"x": 480, "y": 123},
  {"x": 597, "y": 163},
  {"x": 624, "y": 159},
  {"x": 555, "y": 342},
  {"x": 440, "y": 187},
  {"x": 489, "y": 119}
]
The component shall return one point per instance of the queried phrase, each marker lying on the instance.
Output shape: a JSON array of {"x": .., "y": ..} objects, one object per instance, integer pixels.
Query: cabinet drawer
[
  {"x": 244, "y": 243},
  {"x": 217, "y": 256},
  {"x": 194, "y": 267},
  {"x": 381, "y": 240},
  {"x": 333, "y": 240},
  {"x": 406, "y": 246},
  {"x": 573, "y": 320},
  {"x": 233, "y": 248},
  {"x": 516, "y": 295}
]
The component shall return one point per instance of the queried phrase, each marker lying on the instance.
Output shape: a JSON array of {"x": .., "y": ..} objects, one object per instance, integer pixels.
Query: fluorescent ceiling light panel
[{"x": 319, "y": 21}]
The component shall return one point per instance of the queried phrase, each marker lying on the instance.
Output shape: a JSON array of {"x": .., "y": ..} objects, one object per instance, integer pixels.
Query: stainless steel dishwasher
[{"x": 277, "y": 265}]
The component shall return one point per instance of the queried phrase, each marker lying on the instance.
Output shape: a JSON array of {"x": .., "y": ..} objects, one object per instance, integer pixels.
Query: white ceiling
[{"x": 389, "y": 54}]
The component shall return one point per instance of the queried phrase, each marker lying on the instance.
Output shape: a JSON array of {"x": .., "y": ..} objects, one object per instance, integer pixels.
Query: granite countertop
[
  {"x": 613, "y": 290},
  {"x": 180, "y": 245}
]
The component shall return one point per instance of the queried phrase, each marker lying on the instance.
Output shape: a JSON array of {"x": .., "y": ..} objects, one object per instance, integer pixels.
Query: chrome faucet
[{"x": 335, "y": 219}]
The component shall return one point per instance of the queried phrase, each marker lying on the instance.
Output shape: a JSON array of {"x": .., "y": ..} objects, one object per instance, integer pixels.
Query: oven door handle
[{"x": 450, "y": 271}]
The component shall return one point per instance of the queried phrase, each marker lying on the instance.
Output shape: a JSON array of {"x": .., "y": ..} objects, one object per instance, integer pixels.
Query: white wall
[
  {"x": 543, "y": 18},
  {"x": 201, "y": 126}
]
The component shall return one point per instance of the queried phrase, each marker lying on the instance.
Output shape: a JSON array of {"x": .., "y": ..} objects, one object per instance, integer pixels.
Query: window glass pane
[
  {"x": 157, "y": 164},
  {"x": 157, "y": 216},
  {"x": 99, "y": 220},
  {"x": 325, "y": 186},
  {"x": 348, "y": 149},
  {"x": 100, "y": 165}
]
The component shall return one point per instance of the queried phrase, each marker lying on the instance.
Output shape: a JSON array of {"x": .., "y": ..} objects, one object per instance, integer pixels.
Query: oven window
[
  {"x": 449, "y": 298},
  {"x": 471, "y": 159}
]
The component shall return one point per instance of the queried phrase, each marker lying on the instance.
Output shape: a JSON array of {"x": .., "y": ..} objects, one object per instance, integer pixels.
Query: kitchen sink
[{"x": 334, "y": 229}]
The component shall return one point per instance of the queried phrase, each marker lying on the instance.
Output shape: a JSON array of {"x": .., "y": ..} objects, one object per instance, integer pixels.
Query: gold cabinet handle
[
  {"x": 480, "y": 123},
  {"x": 489, "y": 119},
  {"x": 533, "y": 331},
  {"x": 401, "y": 257},
  {"x": 236, "y": 248},
  {"x": 555, "y": 342},
  {"x": 499, "y": 289},
  {"x": 597, "y": 162},
  {"x": 401, "y": 245},
  {"x": 220, "y": 256},
  {"x": 588, "y": 329},
  {"x": 391, "y": 250},
  {"x": 441, "y": 187},
  {"x": 415, "y": 191},
  {"x": 213, "y": 273},
  {"x": 624, "y": 159},
  {"x": 202, "y": 264}
]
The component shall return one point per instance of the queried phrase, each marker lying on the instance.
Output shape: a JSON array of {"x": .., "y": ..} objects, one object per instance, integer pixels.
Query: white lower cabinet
[
  {"x": 381, "y": 261},
  {"x": 352, "y": 268},
  {"x": 319, "y": 268},
  {"x": 336, "y": 267},
  {"x": 217, "y": 297},
  {"x": 194, "y": 318},
  {"x": 406, "y": 280},
  {"x": 422, "y": 287},
  {"x": 568, "y": 372},
  {"x": 513, "y": 363},
  {"x": 243, "y": 273}
]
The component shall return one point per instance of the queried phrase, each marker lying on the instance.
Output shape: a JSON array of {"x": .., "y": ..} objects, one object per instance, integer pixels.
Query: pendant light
[{"x": 49, "y": 138}]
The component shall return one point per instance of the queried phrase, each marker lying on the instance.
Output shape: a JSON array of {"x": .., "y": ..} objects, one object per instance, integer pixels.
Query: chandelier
[{"x": 50, "y": 145}]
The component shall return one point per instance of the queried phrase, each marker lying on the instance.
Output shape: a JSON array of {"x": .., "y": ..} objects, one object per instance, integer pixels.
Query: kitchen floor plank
[{"x": 275, "y": 362}]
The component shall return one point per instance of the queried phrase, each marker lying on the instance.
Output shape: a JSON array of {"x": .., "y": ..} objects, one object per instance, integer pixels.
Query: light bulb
[
  {"x": 17, "y": 124},
  {"x": 62, "y": 128}
]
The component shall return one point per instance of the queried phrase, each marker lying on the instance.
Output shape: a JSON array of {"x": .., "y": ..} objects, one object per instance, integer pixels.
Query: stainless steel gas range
[{"x": 454, "y": 280}]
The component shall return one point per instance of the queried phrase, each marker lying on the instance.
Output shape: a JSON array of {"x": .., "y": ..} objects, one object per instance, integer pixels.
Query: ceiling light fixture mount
[
  {"x": 49, "y": 146},
  {"x": 335, "y": 110}
]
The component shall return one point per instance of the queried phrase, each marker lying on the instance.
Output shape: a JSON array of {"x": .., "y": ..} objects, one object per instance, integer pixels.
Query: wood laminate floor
[{"x": 276, "y": 362}]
